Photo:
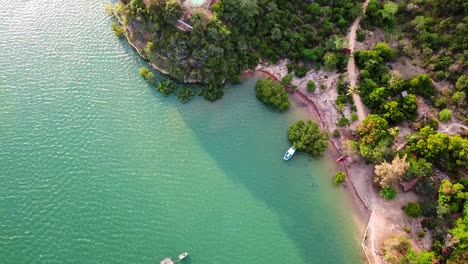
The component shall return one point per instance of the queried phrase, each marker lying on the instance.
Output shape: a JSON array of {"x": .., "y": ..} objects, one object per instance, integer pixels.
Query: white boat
[
  {"x": 183, "y": 255},
  {"x": 289, "y": 153}
]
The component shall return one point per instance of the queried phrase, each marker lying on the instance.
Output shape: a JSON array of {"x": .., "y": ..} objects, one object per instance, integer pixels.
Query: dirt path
[
  {"x": 448, "y": 129},
  {"x": 361, "y": 109}
]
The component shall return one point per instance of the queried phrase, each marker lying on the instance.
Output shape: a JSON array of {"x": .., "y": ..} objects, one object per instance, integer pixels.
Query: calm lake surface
[{"x": 98, "y": 167}]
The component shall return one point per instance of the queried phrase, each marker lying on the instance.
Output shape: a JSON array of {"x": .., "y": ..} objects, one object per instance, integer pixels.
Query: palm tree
[{"x": 353, "y": 90}]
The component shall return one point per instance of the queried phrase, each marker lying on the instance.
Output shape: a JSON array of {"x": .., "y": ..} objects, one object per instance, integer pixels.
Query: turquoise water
[{"x": 97, "y": 167}]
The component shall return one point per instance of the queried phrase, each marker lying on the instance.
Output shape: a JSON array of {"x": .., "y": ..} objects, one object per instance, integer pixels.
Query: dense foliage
[
  {"x": 375, "y": 139},
  {"x": 232, "y": 37},
  {"x": 434, "y": 31},
  {"x": 272, "y": 93},
  {"x": 340, "y": 177},
  {"x": 147, "y": 74},
  {"x": 412, "y": 209},
  {"x": 308, "y": 137}
]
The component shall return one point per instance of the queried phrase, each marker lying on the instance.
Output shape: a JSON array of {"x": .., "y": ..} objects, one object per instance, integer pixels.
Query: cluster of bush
[
  {"x": 272, "y": 93},
  {"x": 166, "y": 87},
  {"x": 222, "y": 45}
]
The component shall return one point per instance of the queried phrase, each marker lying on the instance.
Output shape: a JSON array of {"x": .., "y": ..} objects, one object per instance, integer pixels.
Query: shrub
[
  {"x": 459, "y": 98},
  {"x": 361, "y": 35},
  {"x": 336, "y": 133},
  {"x": 311, "y": 86},
  {"x": 428, "y": 207},
  {"x": 166, "y": 87},
  {"x": 287, "y": 79},
  {"x": 388, "y": 192},
  {"x": 301, "y": 71},
  {"x": 147, "y": 74},
  {"x": 445, "y": 115},
  {"x": 340, "y": 177},
  {"x": 354, "y": 117},
  {"x": 272, "y": 93},
  {"x": 185, "y": 94},
  {"x": 212, "y": 92},
  {"x": 412, "y": 209},
  {"x": 331, "y": 60},
  {"x": 118, "y": 30},
  {"x": 308, "y": 137},
  {"x": 421, "y": 233},
  {"x": 343, "y": 121},
  {"x": 407, "y": 229}
]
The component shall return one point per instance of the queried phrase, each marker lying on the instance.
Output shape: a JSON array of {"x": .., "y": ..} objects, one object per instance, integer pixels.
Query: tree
[
  {"x": 340, "y": 177},
  {"x": 460, "y": 231},
  {"x": 373, "y": 129},
  {"x": 385, "y": 51},
  {"x": 412, "y": 209},
  {"x": 388, "y": 192},
  {"x": 386, "y": 172},
  {"x": 331, "y": 60},
  {"x": 391, "y": 112},
  {"x": 311, "y": 86},
  {"x": 395, "y": 247},
  {"x": 422, "y": 84},
  {"x": 308, "y": 137},
  {"x": 287, "y": 79},
  {"x": 458, "y": 149},
  {"x": 147, "y": 74},
  {"x": 166, "y": 87},
  {"x": 410, "y": 106},
  {"x": 423, "y": 257},
  {"x": 185, "y": 94},
  {"x": 272, "y": 93},
  {"x": 445, "y": 115},
  {"x": 459, "y": 98},
  {"x": 212, "y": 92},
  {"x": 462, "y": 83}
]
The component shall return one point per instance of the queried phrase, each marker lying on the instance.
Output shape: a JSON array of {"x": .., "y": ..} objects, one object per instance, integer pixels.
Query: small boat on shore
[{"x": 289, "y": 153}]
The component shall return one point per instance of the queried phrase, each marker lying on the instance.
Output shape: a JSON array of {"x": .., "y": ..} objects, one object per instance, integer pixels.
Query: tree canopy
[
  {"x": 272, "y": 93},
  {"x": 307, "y": 136}
]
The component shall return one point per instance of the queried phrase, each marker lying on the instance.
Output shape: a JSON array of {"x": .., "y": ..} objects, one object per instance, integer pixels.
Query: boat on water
[
  {"x": 289, "y": 153},
  {"x": 170, "y": 261},
  {"x": 183, "y": 255}
]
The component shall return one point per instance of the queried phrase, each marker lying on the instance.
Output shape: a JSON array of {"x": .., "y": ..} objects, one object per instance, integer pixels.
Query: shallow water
[{"x": 97, "y": 167}]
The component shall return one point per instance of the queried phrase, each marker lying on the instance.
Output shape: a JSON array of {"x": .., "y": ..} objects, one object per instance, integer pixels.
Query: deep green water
[{"x": 97, "y": 167}]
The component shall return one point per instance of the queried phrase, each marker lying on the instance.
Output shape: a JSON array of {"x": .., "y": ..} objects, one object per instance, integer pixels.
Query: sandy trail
[{"x": 361, "y": 109}]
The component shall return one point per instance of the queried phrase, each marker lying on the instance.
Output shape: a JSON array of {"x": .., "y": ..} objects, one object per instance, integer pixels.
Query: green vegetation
[
  {"x": 375, "y": 139},
  {"x": 343, "y": 121},
  {"x": 147, "y": 74},
  {"x": 336, "y": 133},
  {"x": 311, "y": 86},
  {"x": 185, "y": 94},
  {"x": 272, "y": 93},
  {"x": 353, "y": 117},
  {"x": 212, "y": 92},
  {"x": 166, "y": 87},
  {"x": 412, "y": 209},
  {"x": 340, "y": 177},
  {"x": 118, "y": 30},
  {"x": 388, "y": 192},
  {"x": 307, "y": 136},
  {"x": 445, "y": 115},
  {"x": 361, "y": 35},
  {"x": 287, "y": 79},
  {"x": 230, "y": 40}
]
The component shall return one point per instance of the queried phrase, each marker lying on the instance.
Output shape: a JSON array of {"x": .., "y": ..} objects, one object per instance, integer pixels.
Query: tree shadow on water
[{"x": 251, "y": 154}]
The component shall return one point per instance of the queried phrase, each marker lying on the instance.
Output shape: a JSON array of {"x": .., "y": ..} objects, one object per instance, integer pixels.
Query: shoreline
[{"x": 360, "y": 210}]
